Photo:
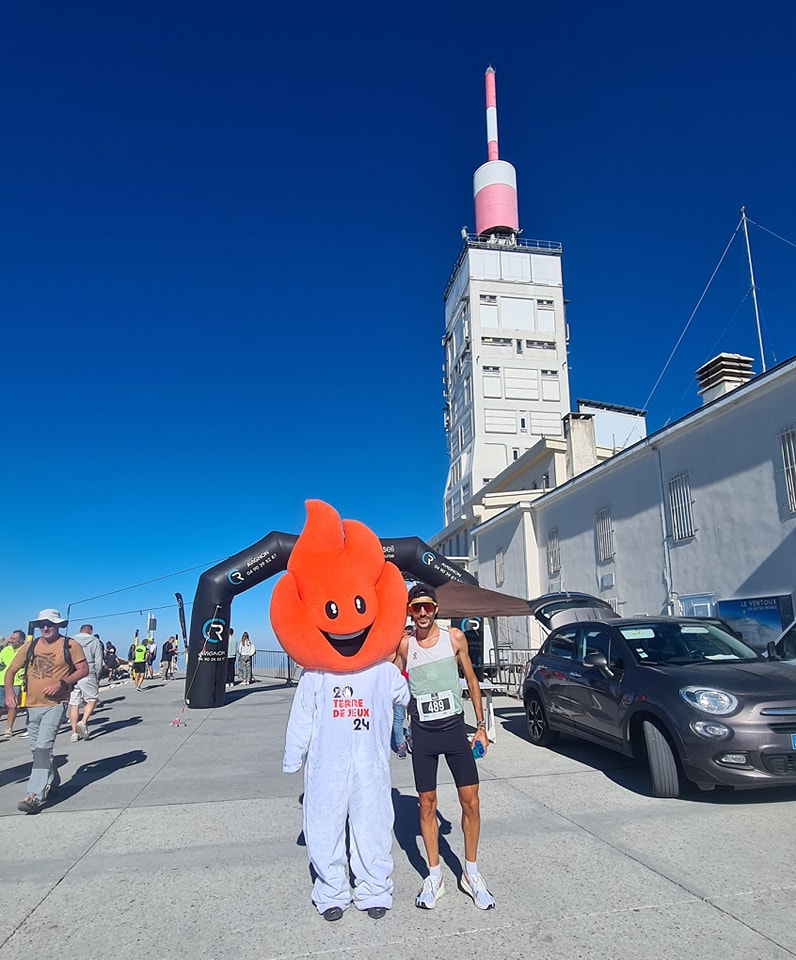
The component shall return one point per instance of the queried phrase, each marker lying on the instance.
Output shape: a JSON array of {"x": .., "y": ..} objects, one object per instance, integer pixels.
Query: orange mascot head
[{"x": 340, "y": 606}]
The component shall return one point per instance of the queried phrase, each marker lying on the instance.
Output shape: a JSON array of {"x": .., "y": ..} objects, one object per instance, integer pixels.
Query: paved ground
[{"x": 182, "y": 841}]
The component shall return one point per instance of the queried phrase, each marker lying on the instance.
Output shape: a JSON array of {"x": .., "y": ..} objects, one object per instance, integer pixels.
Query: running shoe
[
  {"x": 429, "y": 893},
  {"x": 7, "y": 734},
  {"x": 401, "y": 751},
  {"x": 74, "y": 738},
  {"x": 82, "y": 730},
  {"x": 474, "y": 886}
]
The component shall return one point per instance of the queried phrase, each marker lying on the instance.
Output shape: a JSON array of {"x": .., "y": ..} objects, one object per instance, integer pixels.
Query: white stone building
[{"x": 699, "y": 514}]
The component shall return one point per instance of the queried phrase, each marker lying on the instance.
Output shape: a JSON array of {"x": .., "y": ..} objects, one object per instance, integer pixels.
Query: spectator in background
[
  {"x": 231, "y": 654},
  {"x": 85, "y": 691},
  {"x": 111, "y": 661},
  {"x": 15, "y": 640},
  {"x": 151, "y": 654},
  {"x": 138, "y": 657},
  {"x": 167, "y": 655},
  {"x": 246, "y": 652}
]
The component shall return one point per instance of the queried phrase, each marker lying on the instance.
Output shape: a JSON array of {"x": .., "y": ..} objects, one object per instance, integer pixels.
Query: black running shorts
[{"x": 452, "y": 743}]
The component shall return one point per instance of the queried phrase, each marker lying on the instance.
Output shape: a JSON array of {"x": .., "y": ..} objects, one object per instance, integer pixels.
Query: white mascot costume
[{"x": 339, "y": 611}]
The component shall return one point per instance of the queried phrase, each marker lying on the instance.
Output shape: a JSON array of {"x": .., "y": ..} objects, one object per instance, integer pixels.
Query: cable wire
[
  {"x": 693, "y": 314},
  {"x": 145, "y": 583}
]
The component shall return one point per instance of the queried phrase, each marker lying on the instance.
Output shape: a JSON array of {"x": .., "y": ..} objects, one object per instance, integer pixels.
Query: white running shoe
[
  {"x": 475, "y": 887},
  {"x": 429, "y": 893},
  {"x": 74, "y": 738}
]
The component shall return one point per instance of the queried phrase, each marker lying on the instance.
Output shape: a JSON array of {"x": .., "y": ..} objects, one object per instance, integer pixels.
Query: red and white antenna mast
[{"x": 494, "y": 182}]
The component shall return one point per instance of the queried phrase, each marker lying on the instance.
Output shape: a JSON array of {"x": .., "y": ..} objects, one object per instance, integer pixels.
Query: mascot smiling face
[{"x": 340, "y": 606}]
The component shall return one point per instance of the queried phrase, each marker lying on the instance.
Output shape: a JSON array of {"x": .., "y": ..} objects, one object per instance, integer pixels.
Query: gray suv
[{"x": 694, "y": 701}]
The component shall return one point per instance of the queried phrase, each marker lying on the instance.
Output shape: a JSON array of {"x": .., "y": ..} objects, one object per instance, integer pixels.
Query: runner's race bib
[{"x": 436, "y": 706}]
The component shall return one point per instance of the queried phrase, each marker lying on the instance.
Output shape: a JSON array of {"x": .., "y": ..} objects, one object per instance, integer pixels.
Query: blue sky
[{"x": 225, "y": 230}]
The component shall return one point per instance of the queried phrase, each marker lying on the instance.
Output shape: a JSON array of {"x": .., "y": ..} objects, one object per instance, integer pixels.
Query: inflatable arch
[{"x": 205, "y": 682}]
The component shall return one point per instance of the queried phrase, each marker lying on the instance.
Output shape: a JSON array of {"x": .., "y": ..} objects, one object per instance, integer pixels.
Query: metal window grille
[
  {"x": 553, "y": 552},
  {"x": 680, "y": 507},
  {"x": 787, "y": 440},
  {"x": 605, "y": 534}
]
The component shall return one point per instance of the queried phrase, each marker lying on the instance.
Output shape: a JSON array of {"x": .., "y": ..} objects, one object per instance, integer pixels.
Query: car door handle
[{"x": 574, "y": 673}]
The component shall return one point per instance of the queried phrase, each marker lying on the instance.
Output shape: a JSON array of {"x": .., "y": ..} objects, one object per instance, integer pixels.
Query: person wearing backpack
[
  {"x": 53, "y": 664},
  {"x": 85, "y": 691}
]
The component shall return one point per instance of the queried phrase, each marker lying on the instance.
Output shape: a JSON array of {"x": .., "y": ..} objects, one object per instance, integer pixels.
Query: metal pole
[{"x": 754, "y": 289}]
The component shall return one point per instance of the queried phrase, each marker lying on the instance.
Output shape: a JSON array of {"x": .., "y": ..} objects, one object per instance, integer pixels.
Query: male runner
[{"x": 433, "y": 655}]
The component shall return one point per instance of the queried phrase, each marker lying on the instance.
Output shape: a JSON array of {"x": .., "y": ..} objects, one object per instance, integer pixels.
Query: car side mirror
[
  {"x": 598, "y": 661},
  {"x": 771, "y": 650}
]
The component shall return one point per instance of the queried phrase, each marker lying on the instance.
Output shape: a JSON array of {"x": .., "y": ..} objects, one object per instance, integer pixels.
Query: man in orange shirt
[{"x": 49, "y": 678}]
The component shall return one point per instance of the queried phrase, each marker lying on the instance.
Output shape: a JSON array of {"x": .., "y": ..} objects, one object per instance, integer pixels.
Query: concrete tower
[{"x": 506, "y": 382}]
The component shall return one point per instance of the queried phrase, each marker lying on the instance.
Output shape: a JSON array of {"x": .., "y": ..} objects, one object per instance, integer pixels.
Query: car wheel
[
  {"x": 663, "y": 766},
  {"x": 539, "y": 731}
]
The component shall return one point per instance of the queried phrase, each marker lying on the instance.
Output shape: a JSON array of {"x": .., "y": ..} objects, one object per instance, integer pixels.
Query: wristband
[
  {"x": 63, "y": 683},
  {"x": 481, "y": 725}
]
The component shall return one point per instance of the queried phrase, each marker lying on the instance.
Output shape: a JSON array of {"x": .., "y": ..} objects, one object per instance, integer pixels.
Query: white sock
[
  {"x": 436, "y": 874},
  {"x": 471, "y": 869}
]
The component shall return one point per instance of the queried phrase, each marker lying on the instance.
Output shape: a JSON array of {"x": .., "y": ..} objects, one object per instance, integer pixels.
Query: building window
[
  {"x": 787, "y": 440},
  {"x": 605, "y": 534},
  {"x": 680, "y": 508},
  {"x": 500, "y": 570},
  {"x": 515, "y": 453},
  {"x": 553, "y": 552}
]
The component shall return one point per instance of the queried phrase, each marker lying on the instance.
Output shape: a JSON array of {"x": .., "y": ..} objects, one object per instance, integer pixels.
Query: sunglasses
[{"x": 423, "y": 606}]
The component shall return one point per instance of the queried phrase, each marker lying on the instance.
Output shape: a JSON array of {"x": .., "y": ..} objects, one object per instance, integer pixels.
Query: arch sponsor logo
[
  {"x": 428, "y": 558},
  {"x": 235, "y": 577},
  {"x": 213, "y": 630}
]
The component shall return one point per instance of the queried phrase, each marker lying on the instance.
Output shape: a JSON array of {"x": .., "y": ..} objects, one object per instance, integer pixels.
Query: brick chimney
[{"x": 723, "y": 374}]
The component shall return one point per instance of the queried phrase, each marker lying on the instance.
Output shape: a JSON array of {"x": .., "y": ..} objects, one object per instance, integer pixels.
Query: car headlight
[{"x": 709, "y": 700}]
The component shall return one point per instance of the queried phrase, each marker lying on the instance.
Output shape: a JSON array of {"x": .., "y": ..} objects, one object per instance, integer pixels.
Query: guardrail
[
  {"x": 510, "y": 671},
  {"x": 276, "y": 664}
]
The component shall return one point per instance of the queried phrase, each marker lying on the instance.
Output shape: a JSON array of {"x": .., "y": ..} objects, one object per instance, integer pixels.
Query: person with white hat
[{"x": 53, "y": 664}]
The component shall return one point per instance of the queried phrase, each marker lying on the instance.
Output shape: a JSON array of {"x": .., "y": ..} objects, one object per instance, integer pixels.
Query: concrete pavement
[{"x": 182, "y": 840}]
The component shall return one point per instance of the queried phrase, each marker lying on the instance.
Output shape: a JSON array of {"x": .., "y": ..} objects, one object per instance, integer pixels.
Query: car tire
[
  {"x": 539, "y": 731},
  {"x": 663, "y": 765}
]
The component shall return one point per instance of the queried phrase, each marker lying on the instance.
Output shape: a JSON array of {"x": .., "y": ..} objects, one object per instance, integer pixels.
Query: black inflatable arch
[{"x": 205, "y": 682}]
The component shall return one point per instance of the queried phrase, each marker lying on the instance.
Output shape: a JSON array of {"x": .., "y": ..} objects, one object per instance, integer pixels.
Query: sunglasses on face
[{"x": 423, "y": 606}]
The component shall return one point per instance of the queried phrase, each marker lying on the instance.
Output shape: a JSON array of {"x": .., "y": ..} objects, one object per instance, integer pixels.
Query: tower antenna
[{"x": 754, "y": 290}]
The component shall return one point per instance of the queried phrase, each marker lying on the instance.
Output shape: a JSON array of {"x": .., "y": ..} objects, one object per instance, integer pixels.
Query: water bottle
[{"x": 478, "y": 749}]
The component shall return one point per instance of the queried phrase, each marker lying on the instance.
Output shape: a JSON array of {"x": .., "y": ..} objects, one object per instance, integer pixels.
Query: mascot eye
[
  {"x": 332, "y": 612},
  {"x": 360, "y": 605}
]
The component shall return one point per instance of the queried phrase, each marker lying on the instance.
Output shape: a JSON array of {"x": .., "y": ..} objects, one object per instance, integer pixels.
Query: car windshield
[{"x": 683, "y": 642}]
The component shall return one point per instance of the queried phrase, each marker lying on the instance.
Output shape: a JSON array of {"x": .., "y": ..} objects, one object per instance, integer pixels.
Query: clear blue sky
[{"x": 225, "y": 230}]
